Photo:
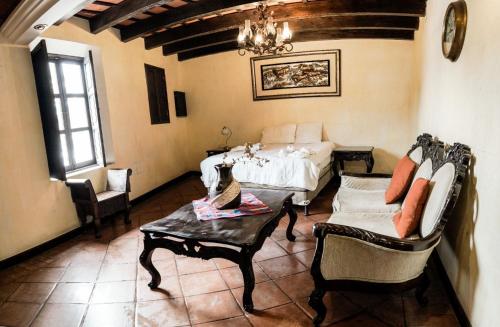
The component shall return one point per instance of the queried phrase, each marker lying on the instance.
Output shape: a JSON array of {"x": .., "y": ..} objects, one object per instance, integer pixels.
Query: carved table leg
[
  {"x": 145, "y": 260},
  {"x": 249, "y": 280},
  {"x": 293, "y": 219}
]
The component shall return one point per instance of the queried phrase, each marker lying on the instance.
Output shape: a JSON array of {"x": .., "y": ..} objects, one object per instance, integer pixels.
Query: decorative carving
[
  {"x": 194, "y": 247},
  {"x": 459, "y": 155}
]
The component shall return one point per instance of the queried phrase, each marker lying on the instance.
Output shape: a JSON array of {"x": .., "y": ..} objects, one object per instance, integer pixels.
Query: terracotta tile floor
[{"x": 89, "y": 282}]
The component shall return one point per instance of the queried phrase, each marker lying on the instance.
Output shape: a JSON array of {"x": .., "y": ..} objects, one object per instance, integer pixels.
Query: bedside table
[
  {"x": 213, "y": 152},
  {"x": 352, "y": 153}
]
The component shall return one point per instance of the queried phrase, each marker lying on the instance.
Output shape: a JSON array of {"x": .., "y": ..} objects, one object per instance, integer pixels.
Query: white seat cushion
[
  {"x": 365, "y": 183},
  {"x": 103, "y": 196},
  {"x": 440, "y": 187},
  {"x": 349, "y": 200},
  {"x": 380, "y": 223}
]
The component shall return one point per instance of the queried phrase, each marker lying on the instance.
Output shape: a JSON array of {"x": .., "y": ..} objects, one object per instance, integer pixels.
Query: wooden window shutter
[
  {"x": 40, "y": 59},
  {"x": 95, "y": 115},
  {"x": 157, "y": 94}
]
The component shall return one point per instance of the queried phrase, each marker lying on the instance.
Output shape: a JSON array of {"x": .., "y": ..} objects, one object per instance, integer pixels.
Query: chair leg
[
  {"x": 422, "y": 288},
  {"x": 97, "y": 227},
  {"x": 126, "y": 217},
  {"x": 316, "y": 302}
]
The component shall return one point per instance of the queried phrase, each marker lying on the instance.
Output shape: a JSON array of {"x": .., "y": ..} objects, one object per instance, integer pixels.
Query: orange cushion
[
  {"x": 407, "y": 220},
  {"x": 401, "y": 180}
]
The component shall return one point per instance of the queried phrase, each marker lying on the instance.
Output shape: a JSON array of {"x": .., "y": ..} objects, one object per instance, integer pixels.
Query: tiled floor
[{"x": 89, "y": 282}]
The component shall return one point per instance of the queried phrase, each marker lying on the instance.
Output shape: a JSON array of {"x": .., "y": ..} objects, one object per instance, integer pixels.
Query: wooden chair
[
  {"x": 113, "y": 200},
  {"x": 361, "y": 251}
]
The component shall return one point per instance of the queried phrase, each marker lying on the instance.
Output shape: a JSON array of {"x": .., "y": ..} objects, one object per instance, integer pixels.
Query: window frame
[{"x": 63, "y": 96}]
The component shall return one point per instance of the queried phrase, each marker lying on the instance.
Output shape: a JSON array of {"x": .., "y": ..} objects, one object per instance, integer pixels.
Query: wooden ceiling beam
[
  {"x": 339, "y": 7},
  {"x": 305, "y": 36},
  {"x": 223, "y": 47},
  {"x": 176, "y": 15},
  {"x": 123, "y": 11},
  {"x": 295, "y": 23},
  {"x": 214, "y": 39}
]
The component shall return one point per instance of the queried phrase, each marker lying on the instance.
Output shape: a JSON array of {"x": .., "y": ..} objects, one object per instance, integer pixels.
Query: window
[
  {"x": 157, "y": 95},
  {"x": 76, "y": 124}
]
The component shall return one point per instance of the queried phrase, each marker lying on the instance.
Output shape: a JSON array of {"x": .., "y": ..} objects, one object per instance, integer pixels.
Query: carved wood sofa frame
[{"x": 459, "y": 155}]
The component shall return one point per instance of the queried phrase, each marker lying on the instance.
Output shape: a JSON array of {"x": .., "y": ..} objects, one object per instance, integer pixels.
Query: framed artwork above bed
[{"x": 296, "y": 75}]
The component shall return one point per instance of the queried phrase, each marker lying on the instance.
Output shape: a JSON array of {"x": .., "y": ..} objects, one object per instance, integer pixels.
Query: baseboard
[
  {"x": 164, "y": 186},
  {"x": 18, "y": 258},
  {"x": 452, "y": 295}
]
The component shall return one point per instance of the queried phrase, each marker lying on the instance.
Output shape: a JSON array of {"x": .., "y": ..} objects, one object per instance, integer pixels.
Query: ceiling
[
  {"x": 6, "y": 7},
  {"x": 193, "y": 28}
]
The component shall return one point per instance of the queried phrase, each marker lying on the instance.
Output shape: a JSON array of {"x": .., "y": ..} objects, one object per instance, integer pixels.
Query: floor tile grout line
[
  {"x": 93, "y": 288},
  {"x": 182, "y": 291},
  {"x": 42, "y": 306}
]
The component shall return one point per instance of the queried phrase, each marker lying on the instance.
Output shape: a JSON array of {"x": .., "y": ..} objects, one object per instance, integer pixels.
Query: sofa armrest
[
  {"x": 365, "y": 175},
  {"x": 321, "y": 230},
  {"x": 81, "y": 190}
]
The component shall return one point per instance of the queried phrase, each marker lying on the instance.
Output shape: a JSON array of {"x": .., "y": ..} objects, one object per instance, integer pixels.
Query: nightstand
[
  {"x": 352, "y": 153},
  {"x": 213, "y": 152}
]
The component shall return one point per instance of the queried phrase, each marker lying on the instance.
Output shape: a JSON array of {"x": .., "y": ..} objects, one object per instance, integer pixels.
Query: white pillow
[
  {"x": 279, "y": 134},
  {"x": 309, "y": 133}
]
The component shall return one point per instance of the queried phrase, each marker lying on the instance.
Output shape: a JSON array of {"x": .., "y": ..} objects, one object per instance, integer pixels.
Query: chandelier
[{"x": 264, "y": 36}]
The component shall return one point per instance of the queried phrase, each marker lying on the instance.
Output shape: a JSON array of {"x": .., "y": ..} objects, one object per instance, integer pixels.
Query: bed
[{"x": 297, "y": 162}]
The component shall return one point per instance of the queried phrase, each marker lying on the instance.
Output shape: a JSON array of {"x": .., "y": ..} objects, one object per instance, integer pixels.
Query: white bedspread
[{"x": 299, "y": 168}]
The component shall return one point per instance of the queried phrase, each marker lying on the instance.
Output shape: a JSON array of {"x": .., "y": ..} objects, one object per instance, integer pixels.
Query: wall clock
[{"x": 455, "y": 24}]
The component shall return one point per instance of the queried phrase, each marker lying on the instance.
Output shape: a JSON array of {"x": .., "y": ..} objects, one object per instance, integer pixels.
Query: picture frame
[{"x": 296, "y": 75}]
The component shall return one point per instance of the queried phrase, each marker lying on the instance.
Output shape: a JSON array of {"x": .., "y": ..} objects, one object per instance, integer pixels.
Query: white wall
[
  {"x": 34, "y": 209},
  {"x": 374, "y": 109},
  {"x": 460, "y": 102}
]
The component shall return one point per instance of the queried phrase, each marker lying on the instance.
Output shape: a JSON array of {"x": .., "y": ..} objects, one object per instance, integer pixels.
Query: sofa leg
[
  {"x": 316, "y": 302},
  {"x": 97, "y": 227},
  {"x": 126, "y": 217},
  {"x": 306, "y": 210},
  {"x": 422, "y": 288}
]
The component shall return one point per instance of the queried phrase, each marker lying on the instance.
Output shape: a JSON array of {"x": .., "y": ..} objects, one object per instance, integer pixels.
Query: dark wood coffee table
[{"x": 234, "y": 239}]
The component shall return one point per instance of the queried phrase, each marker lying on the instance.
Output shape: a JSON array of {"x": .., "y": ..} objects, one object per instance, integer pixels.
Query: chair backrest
[
  {"x": 446, "y": 183},
  {"x": 81, "y": 190},
  {"x": 424, "y": 148},
  {"x": 416, "y": 152}
]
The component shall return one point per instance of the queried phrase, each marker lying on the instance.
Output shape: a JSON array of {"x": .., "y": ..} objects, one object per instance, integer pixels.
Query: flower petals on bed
[{"x": 298, "y": 168}]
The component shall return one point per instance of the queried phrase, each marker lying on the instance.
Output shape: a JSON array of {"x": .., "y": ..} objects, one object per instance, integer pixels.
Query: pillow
[
  {"x": 408, "y": 219},
  {"x": 309, "y": 133},
  {"x": 279, "y": 134},
  {"x": 401, "y": 180}
]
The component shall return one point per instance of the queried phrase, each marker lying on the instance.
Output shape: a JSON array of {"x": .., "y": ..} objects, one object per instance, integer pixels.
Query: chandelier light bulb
[
  {"x": 247, "y": 31},
  {"x": 241, "y": 35},
  {"x": 279, "y": 36},
  {"x": 287, "y": 34},
  {"x": 271, "y": 30},
  {"x": 263, "y": 36},
  {"x": 258, "y": 38}
]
